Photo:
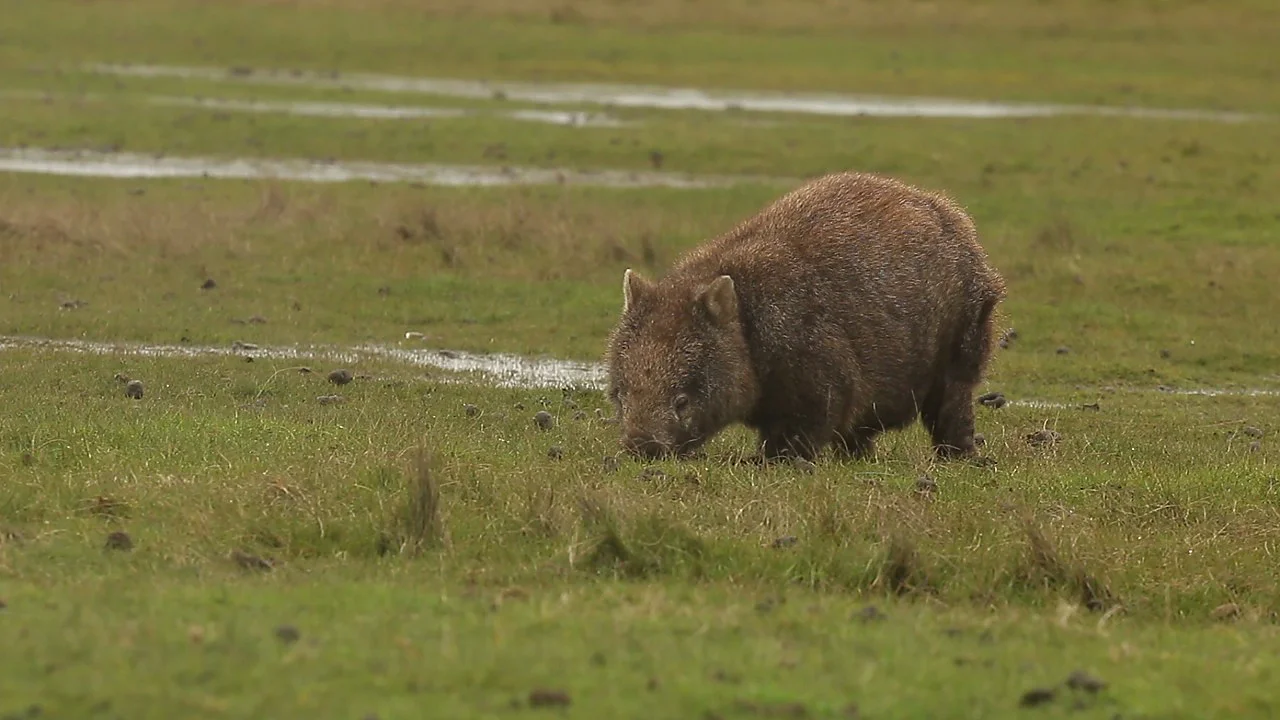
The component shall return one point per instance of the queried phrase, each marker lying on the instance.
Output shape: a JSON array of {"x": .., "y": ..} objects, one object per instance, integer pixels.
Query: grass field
[{"x": 249, "y": 539}]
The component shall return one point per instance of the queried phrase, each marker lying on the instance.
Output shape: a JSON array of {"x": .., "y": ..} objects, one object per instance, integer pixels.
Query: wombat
[{"x": 849, "y": 306}]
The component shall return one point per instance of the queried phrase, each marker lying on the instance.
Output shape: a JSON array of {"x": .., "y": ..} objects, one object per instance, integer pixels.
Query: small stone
[
  {"x": 785, "y": 541},
  {"x": 1081, "y": 680},
  {"x": 119, "y": 540},
  {"x": 1252, "y": 432},
  {"x": 611, "y": 463},
  {"x": 993, "y": 400},
  {"x": 548, "y": 698},
  {"x": 544, "y": 420},
  {"x": 1036, "y": 697},
  {"x": 1226, "y": 611},
  {"x": 411, "y": 335},
  {"x": 287, "y": 634},
  {"x": 555, "y": 452},
  {"x": 133, "y": 389},
  {"x": 340, "y": 377},
  {"x": 471, "y": 410},
  {"x": 329, "y": 399},
  {"x": 1063, "y": 350}
]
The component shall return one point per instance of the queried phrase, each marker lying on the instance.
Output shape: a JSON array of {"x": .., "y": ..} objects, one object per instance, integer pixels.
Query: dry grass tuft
[
  {"x": 421, "y": 526},
  {"x": 1046, "y": 566}
]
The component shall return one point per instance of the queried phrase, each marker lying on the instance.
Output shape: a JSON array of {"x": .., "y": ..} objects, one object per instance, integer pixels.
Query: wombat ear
[
  {"x": 720, "y": 299},
  {"x": 634, "y": 288}
]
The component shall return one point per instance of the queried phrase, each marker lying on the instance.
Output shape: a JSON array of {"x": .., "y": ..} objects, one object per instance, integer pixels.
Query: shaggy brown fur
[{"x": 850, "y": 306}]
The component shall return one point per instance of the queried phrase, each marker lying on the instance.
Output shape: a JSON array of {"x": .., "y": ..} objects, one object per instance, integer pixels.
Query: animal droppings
[
  {"x": 555, "y": 452},
  {"x": 250, "y": 562},
  {"x": 1041, "y": 438},
  {"x": 1255, "y": 446},
  {"x": 926, "y": 485},
  {"x": 1063, "y": 350},
  {"x": 340, "y": 377},
  {"x": 471, "y": 410},
  {"x": 1036, "y": 697},
  {"x": 979, "y": 439},
  {"x": 785, "y": 541},
  {"x": 868, "y": 614},
  {"x": 133, "y": 389},
  {"x": 330, "y": 399},
  {"x": 804, "y": 466},
  {"x": 1252, "y": 432},
  {"x": 610, "y": 463},
  {"x": 548, "y": 698},
  {"x": 287, "y": 634},
  {"x": 208, "y": 284},
  {"x": 1081, "y": 680},
  {"x": 579, "y": 415},
  {"x": 652, "y": 473},
  {"x": 1165, "y": 354},
  {"x": 994, "y": 400},
  {"x": 119, "y": 540},
  {"x": 544, "y": 420},
  {"x": 238, "y": 346}
]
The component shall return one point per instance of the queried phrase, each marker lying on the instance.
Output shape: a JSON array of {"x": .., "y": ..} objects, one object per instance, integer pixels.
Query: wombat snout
[{"x": 645, "y": 445}]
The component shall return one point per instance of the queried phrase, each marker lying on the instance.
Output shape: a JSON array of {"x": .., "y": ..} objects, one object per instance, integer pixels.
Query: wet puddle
[
  {"x": 641, "y": 96},
  {"x": 387, "y": 112},
  {"x": 496, "y": 370},
  {"x": 137, "y": 165}
]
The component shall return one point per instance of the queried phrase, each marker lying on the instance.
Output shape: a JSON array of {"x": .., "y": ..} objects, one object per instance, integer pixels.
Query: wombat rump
[{"x": 850, "y": 306}]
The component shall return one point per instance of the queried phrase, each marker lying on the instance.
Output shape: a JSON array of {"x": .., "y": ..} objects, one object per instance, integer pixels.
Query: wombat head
[{"x": 679, "y": 370}]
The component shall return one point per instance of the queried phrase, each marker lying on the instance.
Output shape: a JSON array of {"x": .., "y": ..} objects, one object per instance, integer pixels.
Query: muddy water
[
  {"x": 135, "y": 165},
  {"x": 497, "y": 370},
  {"x": 638, "y": 96}
]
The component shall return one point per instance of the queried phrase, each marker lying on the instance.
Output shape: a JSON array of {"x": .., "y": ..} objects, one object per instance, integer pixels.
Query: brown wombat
[{"x": 850, "y": 306}]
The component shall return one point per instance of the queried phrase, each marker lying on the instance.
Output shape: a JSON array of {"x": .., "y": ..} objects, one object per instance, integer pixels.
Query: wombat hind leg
[{"x": 857, "y": 443}]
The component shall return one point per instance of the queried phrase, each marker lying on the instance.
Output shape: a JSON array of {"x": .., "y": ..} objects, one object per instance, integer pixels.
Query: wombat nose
[{"x": 645, "y": 446}]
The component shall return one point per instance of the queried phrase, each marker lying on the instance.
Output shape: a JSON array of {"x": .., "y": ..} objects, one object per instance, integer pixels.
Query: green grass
[{"x": 374, "y": 580}]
